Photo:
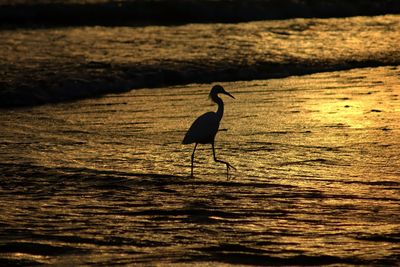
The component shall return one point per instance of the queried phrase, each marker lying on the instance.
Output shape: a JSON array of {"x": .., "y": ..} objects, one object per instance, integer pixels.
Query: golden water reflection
[{"x": 106, "y": 180}]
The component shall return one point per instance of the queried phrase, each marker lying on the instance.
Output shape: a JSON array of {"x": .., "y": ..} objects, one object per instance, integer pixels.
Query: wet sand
[{"x": 105, "y": 181}]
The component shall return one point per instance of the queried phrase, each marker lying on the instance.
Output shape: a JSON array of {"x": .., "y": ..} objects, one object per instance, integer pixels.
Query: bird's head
[{"x": 218, "y": 89}]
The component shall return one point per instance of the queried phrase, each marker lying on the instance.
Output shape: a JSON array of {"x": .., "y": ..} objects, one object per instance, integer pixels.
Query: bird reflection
[{"x": 204, "y": 128}]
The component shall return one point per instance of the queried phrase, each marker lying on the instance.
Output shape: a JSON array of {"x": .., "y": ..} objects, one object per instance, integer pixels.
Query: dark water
[
  {"x": 53, "y": 13},
  {"x": 105, "y": 182}
]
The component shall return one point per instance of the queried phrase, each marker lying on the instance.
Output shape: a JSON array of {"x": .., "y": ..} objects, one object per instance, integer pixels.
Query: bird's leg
[
  {"x": 228, "y": 165},
  {"x": 191, "y": 173}
]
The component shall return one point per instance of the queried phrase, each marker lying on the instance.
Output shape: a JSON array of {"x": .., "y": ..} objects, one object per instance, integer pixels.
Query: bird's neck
[{"x": 220, "y": 103}]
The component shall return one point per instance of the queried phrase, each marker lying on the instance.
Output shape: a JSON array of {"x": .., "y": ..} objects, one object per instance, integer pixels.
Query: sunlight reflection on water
[{"x": 106, "y": 180}]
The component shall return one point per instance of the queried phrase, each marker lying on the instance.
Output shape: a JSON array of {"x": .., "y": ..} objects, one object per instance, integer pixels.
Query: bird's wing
[{"x": 203, "y": 129}]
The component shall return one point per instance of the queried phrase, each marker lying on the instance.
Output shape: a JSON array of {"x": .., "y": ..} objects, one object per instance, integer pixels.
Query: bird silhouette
[{"x": 204, "y": 128}]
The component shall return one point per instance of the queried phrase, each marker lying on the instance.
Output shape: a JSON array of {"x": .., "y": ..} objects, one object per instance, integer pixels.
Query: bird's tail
[{"x": 187, "y": 139}]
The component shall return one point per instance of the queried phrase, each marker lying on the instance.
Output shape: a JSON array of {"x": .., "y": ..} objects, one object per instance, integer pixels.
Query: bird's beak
[{"x": 226, "y": 93}]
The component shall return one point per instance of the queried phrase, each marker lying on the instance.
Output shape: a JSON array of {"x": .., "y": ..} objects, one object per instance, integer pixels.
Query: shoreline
[
  {"x": 41, "y": 66},
  {"x": 84, "y": 83}
]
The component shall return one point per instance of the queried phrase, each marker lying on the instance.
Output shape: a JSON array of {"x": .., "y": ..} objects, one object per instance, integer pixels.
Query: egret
[{"x": 205, "y": 127}]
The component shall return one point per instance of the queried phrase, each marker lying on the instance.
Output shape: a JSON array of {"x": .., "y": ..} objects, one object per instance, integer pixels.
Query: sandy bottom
[{"x": 105, "y": 181}]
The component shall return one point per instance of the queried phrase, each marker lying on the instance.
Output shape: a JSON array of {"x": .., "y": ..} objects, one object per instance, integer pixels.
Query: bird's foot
[{"x": 229, "y": 166}]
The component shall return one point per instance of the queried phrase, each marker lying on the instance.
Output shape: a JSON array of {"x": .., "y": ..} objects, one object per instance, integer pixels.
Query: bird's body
[{"x": 204, "y": 129}]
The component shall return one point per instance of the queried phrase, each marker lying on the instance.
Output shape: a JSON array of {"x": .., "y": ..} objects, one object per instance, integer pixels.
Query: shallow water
[{"x": 105, "y": 181}]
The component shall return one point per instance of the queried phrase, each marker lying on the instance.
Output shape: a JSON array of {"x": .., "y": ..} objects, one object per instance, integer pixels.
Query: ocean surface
[
  {"x": 92, "y": 115},
  {"x": 105, "y": 181},
  {"x": 56, "y": 64}
]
